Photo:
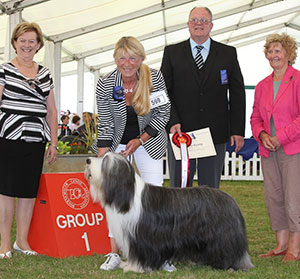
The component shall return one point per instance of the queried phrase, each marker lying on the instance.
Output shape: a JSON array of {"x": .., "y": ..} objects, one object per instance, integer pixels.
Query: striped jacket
[{"x": 112, "y": 115}]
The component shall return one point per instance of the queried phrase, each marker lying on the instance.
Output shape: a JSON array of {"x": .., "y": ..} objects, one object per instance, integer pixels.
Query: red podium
[{"x": 65, "y": 220}]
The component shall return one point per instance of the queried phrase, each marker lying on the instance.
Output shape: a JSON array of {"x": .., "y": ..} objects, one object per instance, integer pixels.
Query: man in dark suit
[{"x": 207, "y": 95}]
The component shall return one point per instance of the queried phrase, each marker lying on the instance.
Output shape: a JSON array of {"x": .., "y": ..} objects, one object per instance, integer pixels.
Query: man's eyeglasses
[{"x": 199, "y": 20}]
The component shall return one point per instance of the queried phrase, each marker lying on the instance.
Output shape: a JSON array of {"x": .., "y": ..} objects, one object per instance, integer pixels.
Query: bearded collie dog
[{"x": 152, "y": 225}]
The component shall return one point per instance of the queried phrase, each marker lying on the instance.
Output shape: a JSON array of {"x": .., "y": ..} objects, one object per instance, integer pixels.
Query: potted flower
[{"x": 74, "y": 150}]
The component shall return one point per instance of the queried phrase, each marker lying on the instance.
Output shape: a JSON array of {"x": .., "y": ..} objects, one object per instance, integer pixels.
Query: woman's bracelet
[
  {"x": 55, "y": 146},
  {"x": 141, "y": 141}
]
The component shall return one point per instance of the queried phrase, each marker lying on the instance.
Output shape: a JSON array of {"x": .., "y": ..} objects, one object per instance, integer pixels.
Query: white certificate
[{"x": 202, "y": 145}]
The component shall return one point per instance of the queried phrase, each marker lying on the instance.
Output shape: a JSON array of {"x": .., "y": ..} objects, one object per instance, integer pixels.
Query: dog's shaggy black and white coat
[{"x": 154, "y": 224}]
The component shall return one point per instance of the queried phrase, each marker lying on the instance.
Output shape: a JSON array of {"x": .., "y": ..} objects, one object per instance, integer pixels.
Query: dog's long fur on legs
[{"x": 154, "y": 224}]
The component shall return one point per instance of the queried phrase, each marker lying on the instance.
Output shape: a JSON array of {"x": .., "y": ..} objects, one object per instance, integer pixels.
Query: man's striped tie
[{"x": 198, "y": 58}]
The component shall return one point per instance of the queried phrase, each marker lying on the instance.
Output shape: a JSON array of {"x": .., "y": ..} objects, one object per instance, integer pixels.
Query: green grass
[{"x": 250, "y": 197}]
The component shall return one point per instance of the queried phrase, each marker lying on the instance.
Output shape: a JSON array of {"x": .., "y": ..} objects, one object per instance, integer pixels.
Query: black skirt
[{"x": 21, "y": 165}]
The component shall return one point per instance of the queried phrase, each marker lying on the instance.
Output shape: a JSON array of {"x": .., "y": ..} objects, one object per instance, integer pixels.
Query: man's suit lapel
[
  {"x": 210, "y": 61},
  {"x": 189, "y": 57}
]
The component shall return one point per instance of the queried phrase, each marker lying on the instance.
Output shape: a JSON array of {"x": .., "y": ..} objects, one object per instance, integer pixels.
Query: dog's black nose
[{"x": 88, "y": 161}]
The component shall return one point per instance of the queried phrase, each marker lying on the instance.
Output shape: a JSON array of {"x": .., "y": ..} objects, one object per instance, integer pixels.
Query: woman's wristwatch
[
  {"x": 140, "y": 139},
  {"x": 55, "y": 146}
]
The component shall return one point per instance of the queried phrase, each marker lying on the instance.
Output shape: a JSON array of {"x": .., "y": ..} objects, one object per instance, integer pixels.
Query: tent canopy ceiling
[{"x": 89, "y": 29}]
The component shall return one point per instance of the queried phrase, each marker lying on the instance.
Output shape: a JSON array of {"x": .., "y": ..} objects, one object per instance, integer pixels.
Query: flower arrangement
[
  {"x": 75, "y": 147},
  {"x": 76, "y": 143}
]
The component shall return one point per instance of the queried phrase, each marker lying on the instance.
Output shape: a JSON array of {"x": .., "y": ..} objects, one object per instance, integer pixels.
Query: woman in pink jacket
[{"x": 275, "y": 123}]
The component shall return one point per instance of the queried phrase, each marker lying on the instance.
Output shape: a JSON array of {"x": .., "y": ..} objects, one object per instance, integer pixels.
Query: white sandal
[
  {"x": 25, "y": 252},
  {"x": 6, "y": 255}
]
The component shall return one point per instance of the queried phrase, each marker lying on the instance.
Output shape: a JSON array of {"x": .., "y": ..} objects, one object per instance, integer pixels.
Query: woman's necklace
[{"x": 129, "y": 89}]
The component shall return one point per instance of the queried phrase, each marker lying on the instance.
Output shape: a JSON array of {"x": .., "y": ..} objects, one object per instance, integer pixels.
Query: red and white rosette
[{"x": 183, "y": 142}]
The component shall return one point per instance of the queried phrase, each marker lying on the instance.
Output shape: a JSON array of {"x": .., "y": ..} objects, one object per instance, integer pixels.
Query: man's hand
[
  {"x": 176, "y": 129},
  {"x": 238, "y": 141}
]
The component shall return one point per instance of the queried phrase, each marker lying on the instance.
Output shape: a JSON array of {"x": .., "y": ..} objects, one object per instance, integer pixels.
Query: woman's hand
[
  {"x": 51, "y": 154},
  {"x": 101, "y": 151},
  {"x": 275, "y": 142},
  {"x": 270, "y": 143},
  {"x": 131, "y": 146}
]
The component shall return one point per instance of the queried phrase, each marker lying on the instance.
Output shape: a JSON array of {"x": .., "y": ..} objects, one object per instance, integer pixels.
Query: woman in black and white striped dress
[
  {"x": 133, "y": 111},
  {"x": 28, "y": 119}
]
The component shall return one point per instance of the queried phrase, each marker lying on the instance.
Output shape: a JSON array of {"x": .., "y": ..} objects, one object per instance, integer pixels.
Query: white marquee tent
[{"x": 80, "y": 35}]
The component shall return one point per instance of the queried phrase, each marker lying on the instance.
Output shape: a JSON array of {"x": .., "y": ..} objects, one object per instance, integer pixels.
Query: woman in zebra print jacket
[{"x": 133, "y": 111}]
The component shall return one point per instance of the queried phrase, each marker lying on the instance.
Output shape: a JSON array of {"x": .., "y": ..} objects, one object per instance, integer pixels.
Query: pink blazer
[{"x": 285, "y": 111}]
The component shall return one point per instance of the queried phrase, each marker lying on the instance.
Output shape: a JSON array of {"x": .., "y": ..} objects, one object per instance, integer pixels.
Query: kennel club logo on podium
[
  {"x": 65, "y": 221},
  {"x": 75, "y": 193}
]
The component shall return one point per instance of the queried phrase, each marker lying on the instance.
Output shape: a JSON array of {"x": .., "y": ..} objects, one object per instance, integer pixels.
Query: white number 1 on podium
[{"x": 86, "y": 240}]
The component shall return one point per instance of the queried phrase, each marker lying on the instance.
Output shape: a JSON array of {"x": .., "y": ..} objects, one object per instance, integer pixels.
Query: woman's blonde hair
[
  {"x": 24, "y": 27},
  {"x": 141, "y": 97},
  {"x": 287, "y": 42}
]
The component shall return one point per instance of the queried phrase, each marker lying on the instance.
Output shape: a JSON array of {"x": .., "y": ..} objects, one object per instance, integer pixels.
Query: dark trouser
[{"x": 209, "y": 169}]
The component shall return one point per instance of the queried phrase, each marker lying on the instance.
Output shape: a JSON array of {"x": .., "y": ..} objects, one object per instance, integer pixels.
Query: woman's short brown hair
[
  {"x": 287, "y": 42},
  {"x": 24, "y": 27},
  {"x": 75, "y": 119}
]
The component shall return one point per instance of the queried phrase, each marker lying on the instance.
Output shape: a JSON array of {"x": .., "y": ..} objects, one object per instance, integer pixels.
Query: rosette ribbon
[{"x": 183, "y": 142}]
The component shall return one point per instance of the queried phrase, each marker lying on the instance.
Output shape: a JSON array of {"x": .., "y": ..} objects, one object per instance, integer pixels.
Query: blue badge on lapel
[
  {"x": 224, "y": 78},
  {"x": 118, "y": 93}
]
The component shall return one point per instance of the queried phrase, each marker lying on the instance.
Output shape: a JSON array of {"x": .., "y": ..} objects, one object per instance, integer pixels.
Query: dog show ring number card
[{"x": 158, "y": 99}]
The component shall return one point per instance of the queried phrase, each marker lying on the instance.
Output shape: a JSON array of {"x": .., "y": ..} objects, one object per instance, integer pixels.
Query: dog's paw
[
  {"x": 123, "y": 264},
  {"x": 131, "y": 267}
]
